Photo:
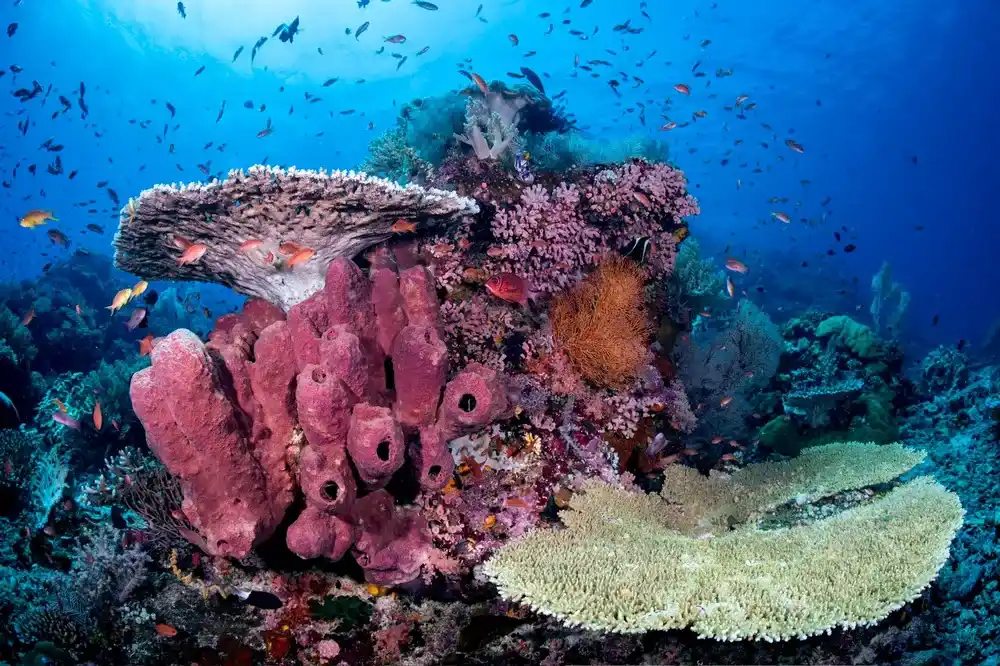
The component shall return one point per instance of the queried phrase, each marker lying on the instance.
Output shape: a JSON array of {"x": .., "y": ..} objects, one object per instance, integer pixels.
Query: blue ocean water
[
  {"x": 868, "y": 126},
  {"x": 893, "y": 103}
]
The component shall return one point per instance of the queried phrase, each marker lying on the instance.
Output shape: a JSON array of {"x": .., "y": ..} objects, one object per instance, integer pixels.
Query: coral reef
[{"x": 335, "y": 214}]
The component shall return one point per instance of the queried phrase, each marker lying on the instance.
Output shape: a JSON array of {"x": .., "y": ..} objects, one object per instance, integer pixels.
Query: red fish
[
  {"x": 682, "y": 89},
  {"x": 509, "y": 287},
  {"x": 98, "y": 415},
  {"x": 66, "y": 420},
  {"x": 146, "y": 345},
  {"x": 192, "y": 254},
  {"x": 737, "y": 266}
]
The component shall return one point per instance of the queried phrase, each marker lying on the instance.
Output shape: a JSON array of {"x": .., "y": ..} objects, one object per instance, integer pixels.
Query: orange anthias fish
[
  {"x": 725, "y": 401},
  {"x": 289, "y": 247},
  {"x": 794, "y": 145},
  {"x": 58, "y": 237},
  {"x": 402, "y": 226},
  {"x": 509, "y": 287},
  {"x": 34, "y": 218},
  {"x": 302, "y": 256},
  {"x": 192, "y": 254},
  {"x": 79, "y": 312},
  {"x": 479, "y": 81},
  {"x": 28, "y": 318},
  {"x": 139, "y": 288},
  {"x": 146, "y": 345},
  {"x": 682, "y": 89},
  {"x": 182, "y": 243},
  {"x": 782, "y": 217},
  {"x": 251, "y": 244},
  {"x": 737, "y": 266},
  {"x": 119, "y": 301},
  {"x": 98, "y": 416},
  {"x": 166, "y": 630},
  {"x": 730, "y": 287}
]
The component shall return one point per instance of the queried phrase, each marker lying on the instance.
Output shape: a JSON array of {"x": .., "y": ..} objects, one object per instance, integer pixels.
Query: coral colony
[{"x": 501, "y": 413}]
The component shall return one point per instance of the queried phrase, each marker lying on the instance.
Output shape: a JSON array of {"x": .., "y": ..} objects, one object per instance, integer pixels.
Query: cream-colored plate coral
[{"x": 625, "y": 563}]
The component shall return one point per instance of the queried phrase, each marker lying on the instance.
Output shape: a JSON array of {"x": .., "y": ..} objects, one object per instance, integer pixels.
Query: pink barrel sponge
[{"x": 332, "y": 402}]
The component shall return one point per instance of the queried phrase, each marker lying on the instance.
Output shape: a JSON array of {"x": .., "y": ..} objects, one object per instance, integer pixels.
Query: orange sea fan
[{"x": 602, "y": 325}]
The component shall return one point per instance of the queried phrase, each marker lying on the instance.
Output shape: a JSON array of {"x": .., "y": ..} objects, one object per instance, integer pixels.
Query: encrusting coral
[
  {"x": 602, "y": 324},
  {"x": 335, "y": 214},
  {"x": 624, "y": 566}
]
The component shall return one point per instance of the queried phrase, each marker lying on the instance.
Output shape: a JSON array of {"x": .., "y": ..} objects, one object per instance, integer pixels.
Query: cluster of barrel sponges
[
  {"x": 333, "y": 400},
  {"x": 699, "y": 556}
]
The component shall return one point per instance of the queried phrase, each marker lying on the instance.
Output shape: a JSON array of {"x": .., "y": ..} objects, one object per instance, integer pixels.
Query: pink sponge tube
[
  {"x": 226, "y": 493},
  {"x": 420, "y": 365},
  {"x": 432, "y": 458},
  {"x": 472, "y": 399},
  {"x": 318, "y": 534},
  {"x": 376, "y": 444}
]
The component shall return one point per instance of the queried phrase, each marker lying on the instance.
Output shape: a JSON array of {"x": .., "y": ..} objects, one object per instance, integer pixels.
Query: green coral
[
  {"x": 631, "y": 562},
  {"x": 695, "y": 282},
  {"x": 846, "y": 332},
  {"x": 554, "y": 152},
  {"x": 390, "y": 156},
  {"x": 349, "y": 611}
]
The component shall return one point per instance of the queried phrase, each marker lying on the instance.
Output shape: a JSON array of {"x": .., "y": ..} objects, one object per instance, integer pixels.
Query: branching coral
[
  {"x": 602, "y": 324},
  {"x": 627, "y": 565}
]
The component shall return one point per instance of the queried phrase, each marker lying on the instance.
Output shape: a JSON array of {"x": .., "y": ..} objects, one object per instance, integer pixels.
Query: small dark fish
[
  {"x": 361, "y": 30},
  {"x": 237, "y": 54},
  {"x": 256, "y": 47},
  {"x": 12, "y": 28},
  {"x": 400, "y": 64},
  {"x": 585, "y": 3},
  {"x": 935, "y": 320},
  {"x": 171, "y": 109},
  {"x": 260, "y": 599},
  {"x": 961, "y": 344},
  {"x": 836, "y": 234},
  {"x": 96, "y": 228},
  {"x": 151, "y": 297},
  {"x": 248, "y": 104},
  {"x": 222, "y": 110},
  {"x": 330, "y": 82},
  {"x": 200, "y": 70},
  {"x": 396, "y": 39},
  {"x": 72, "y": 174},
  {"x": 181, "y": 10},
  {"x": 425, "y": 5},
  {"x": 850, "y": 247},
  {"x": 117, "y": 518},
  {"x": 533, "y": 79},
  {"x": 422, "y": 51},
  {"x": 638, "y": 250},
  {"x": 513, "y": 39}
]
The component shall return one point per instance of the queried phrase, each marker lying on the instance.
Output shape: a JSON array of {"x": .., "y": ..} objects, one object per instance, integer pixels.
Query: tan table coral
[{"x": 336, "y": 214}]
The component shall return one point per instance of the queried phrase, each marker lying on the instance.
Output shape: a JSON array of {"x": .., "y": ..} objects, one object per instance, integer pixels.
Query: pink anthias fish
[
  {"x": 137, "y": 319},
  {"x": 66, "y": 420}
]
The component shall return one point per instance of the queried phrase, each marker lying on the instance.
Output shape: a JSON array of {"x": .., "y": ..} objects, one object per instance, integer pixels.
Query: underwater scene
[{"x": 513, "y": 332}]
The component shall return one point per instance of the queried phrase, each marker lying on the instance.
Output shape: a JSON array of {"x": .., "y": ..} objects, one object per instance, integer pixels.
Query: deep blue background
[{"x": 864, "y": 86}]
